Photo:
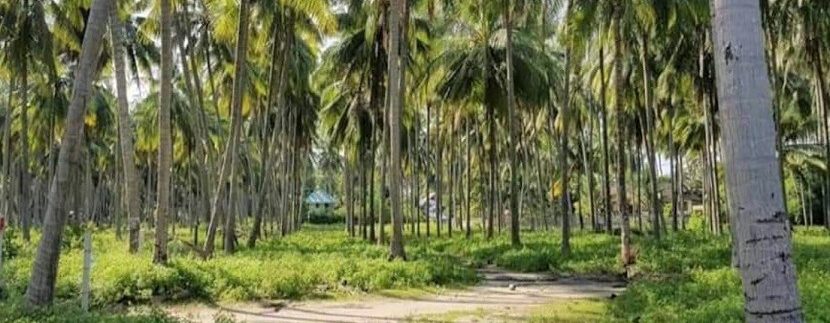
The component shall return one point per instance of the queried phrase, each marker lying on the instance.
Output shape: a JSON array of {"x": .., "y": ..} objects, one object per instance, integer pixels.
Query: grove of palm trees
[{"x": 413, "y": 160}]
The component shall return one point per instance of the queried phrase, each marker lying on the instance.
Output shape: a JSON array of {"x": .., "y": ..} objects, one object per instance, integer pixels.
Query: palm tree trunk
[
  {"x": 363, "y": 194},
  {"x": 384, "y": 175},
  {"x": 606, "y": 156},
  {"x": 649, "y": 138},
  {"x": 718, "y": 226},
  {"x": 165, "y": 161},
  {"x": 625, "y": 230},
  {"x": 469, "y": 170},
  {"x": 563, "y": 147},
  {"x": 514, "y": 133},
  {"x": 451, "y": 174},
  {"x": 372, "y": 192},
  {"x": 767, "y": 269},
  {"x": 348, "y": 188},
  {"x": 439, "y": 173},
  {"x": 7, "y": 153},
  {"x": 397, "y": 67},
  {"x": 639, "y": 160},
  {"x": 589, "y": 173},
  {"x": 125, "y": 132},
  {"x": 227, "y": 171},
  {"x": 24, "y": 212},
  {"x": 680, "y": 194},
  {"x": 416, "y": 176},
  {"x": 673, "y": 165},
  {"x": 45, "y": 267},
  {"x": 278, "y": 74}
]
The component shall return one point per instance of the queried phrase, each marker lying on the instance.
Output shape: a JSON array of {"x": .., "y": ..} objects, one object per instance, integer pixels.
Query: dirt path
[{"x": 502, "y": 293}]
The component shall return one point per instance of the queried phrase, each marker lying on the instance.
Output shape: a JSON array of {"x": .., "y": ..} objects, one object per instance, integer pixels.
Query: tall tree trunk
[
  {"x": 767, "y": 269},
  {"x": 673, "y": 165},
  {"x": 625, "y": 230},
  {"x": 364, "y": 215},
  {"x": 165, "y": 161},
  {"x": 451, "y": 174},
  {"x": 589, "y": 173},
  {"x": 639, "y": 208},
  {"x": 397, "y": 68},
  {"x": 606, "y": 156},
  {"x": 45, "y": 267},
  {"x": 6, "y": 196},
  {"x": 125, "y": 132},
  {"x": 439, "y": 173},
  {"x": 469, "y": 170},
  {"x": 383, "y": 188},
  {"x": 227, "y": 172},
  {"x": 649, "y": 138},
  {"x": 428, "y": 165},
  {"x": 563, "y": 145},
  {"x": 372, "y": 191},
  {"x": 681, "y": 202},
  {"x": 348, "y": 188},
  {"x": 514, "y": 132},
  {"x": 23, "y": 207},
  {"x": 276, "y": 80}
]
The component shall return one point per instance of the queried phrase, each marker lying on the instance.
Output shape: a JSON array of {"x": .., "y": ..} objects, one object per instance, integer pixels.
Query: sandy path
[{"x": 493, "y": 295}]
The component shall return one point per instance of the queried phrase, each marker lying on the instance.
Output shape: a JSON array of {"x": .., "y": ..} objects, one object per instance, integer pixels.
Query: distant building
[
  {"x": 320, "y": 199},
  {"x": 430, "y": 207}
]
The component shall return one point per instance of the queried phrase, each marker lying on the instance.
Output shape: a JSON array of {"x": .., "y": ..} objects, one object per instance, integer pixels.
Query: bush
[
  {"x": 13, "y": 310},
  {"x": 11, "y": 244},
  {"x": 528, "y": 260},
  {"x": 325, "y": 216}
]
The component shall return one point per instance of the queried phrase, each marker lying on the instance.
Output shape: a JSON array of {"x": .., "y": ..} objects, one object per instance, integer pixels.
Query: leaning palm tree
[
  {"x": 44, "y": 270},
  {"x": 229, "y": 159},
  {"x": 757, "y": 202}
]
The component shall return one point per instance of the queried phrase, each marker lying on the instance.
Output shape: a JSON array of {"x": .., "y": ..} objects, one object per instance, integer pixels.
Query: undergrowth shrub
[
  {"x": 14, "y": 310},
  {"x": 683, "y": 277}
]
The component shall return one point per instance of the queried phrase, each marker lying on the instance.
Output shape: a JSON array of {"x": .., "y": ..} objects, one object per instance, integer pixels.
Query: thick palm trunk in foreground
[
  {"x": 165, "y": 134},
  {"x": 396, "y": 249},
  {"x": 44, "y": 270},
  {"x": 752, "y": 176}
]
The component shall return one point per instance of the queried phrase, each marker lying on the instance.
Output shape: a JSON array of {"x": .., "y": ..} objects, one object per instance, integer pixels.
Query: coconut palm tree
[
  {"x": 125, "y": 131},
  {"x": 472, "y": 70},
  {"x": 763, "y": 233},
  {"x": 165, "y": 151},
  {"x": 44, "y": 269},
  {"x": 395, "y": 93}
]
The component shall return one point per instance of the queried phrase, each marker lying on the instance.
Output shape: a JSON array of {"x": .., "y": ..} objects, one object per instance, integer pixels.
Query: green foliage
[
  {"x": 325, "y": 216},
  {"x": 11, "y": 244},
  {"x": 684, "y": 277},
  {"x": 697, "y": 222},
  {"x": 14, "y": 310},
  {"x": 691, "y": 280},
  {"x": 320, "y": 260}
]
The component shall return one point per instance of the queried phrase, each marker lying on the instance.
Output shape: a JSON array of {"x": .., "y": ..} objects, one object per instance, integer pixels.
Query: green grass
[
  {"x": 682, "y": 278},
  {"x": 574, "y": 311},
  {"x": 692, "y": 281},
  {"x": 14, "y": 310}
]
